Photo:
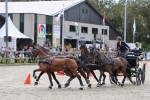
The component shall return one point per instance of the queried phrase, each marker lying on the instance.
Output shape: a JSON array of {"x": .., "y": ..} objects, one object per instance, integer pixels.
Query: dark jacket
[{"x": 123, "y": 46}]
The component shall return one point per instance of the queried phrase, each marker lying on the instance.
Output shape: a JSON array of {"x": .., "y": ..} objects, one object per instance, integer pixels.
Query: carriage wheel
[
  {"x": 139, "y": 76},
  {"x": 143, "y": 74}
]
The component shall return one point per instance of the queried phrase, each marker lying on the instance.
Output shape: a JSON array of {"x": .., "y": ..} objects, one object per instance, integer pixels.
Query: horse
[
  {"x": 50, "y": 64},
  {"x": 112, "y": 66},
  {"x": 88, "y": 63},
  {"x": 45, "y": 53}
]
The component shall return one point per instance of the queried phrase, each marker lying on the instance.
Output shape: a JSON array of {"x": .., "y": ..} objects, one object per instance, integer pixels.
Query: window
[
  {"x": 82, "y": 10},
  {"x": 94, "y": 31},
  {"x": 48, "y": 24},
  {"x": 86, "y": 11},
  {"x": 72, "y": 28},
  {"x": 22, "y": 23},
  {"x": 84, "y": 29},
  {"x": 104, "y": 31}
]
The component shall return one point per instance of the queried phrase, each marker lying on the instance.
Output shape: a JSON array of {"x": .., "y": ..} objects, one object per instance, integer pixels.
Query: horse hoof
[
  {"x": 119, "y": 83},
  {"x": 81, "y": 88},
  {"x": 98, "y": 85},
  {"x": 50, "y": 87},
  {"x": 67, "y": 84},
  {"x": 89, "y": 85},
  {"x": 103, "y": 83},
  {"x": 36, "y": 83},
  {"x": 59, "y": 86},
  {"x": 35, "y": 77},
  {"x": 122, "y": 85},
  {"x": 88, "y": 81},
  {"x": 134, "y": 83}
]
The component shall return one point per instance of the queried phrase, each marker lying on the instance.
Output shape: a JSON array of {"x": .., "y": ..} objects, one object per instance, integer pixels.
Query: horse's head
[
  {"x": 39, "y": 51},
  {"x": 84, "y": 49}
]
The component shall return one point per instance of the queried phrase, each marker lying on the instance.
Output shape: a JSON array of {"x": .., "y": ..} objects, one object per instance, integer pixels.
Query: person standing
[{"x": 122, "y": 48}]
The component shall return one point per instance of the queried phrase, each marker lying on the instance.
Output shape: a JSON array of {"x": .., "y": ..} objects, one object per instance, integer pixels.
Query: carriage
[{"x": 137, "y": 66}]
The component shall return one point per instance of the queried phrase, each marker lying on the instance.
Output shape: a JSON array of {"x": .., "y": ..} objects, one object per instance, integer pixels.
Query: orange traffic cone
[
  {"x": 60, "y": 73},
  {"x": 28, "y": 80}
]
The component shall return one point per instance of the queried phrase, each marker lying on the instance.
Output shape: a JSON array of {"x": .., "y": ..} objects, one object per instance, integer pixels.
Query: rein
[{"x": 44, "y": 57}]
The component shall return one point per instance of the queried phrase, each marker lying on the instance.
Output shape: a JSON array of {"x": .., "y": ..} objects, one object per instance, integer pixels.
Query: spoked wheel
[
  {"x": 143, "y": 74},
  {"x": 139, "y": 76}
]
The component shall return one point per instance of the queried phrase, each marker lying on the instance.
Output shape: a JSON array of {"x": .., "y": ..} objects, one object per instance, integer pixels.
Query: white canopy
[{"x": 12, "y": 31}]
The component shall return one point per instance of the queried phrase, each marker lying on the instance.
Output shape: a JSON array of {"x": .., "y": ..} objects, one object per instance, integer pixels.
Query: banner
[
  {"x": 56, "y": 31},
  {"x": 41, "y": 30}
]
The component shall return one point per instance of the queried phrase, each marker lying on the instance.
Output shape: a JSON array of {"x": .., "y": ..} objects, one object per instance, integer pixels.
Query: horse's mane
[{"x": 44, "y": 49}]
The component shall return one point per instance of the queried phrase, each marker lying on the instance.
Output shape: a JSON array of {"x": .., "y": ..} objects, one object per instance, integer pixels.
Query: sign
[
  {"x": 148, "y": 56},
  {"x": 41, "y": 30},
  {"x": 56, "y": 31}
]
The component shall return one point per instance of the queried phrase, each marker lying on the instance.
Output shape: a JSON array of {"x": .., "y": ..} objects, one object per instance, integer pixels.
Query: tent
[{"x": 14, "y": 33}]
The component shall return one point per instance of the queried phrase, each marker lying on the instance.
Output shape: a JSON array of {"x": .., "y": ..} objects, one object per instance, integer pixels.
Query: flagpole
[
  {"x": 134, "y": 29},
  {"x": 104, "y": 22},
  {"x": 63, "y": 24},
  {"x": 125, "y": 14},
  {"x": 133, "y": 38},
  {"x": 6, "y": 18},
  {"x": 103, "y": 35}
]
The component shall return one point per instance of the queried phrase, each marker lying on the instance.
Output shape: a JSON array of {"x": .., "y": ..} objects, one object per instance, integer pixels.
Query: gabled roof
[
  {"x": 39, "y": 7},
  {"x": 12, "y": 31}
]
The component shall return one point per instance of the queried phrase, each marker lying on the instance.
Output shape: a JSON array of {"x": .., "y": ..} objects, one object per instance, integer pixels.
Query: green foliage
[{"x": 140, "y": 9}]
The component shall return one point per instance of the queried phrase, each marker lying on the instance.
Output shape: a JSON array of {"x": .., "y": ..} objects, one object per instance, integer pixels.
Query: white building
[{"x": 28, "y": 17}]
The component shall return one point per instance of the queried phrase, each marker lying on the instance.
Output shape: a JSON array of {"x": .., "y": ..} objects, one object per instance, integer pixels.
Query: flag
[
  {"x": 104, "y": 19},
  {"x": 60, "y": 13},
  {"x": 134, "y": 27},
  {"x": 77, "y": 28}
]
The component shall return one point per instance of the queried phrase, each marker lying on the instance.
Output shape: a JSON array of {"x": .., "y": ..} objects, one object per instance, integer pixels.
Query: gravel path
[{"x": 12, "y": 87}]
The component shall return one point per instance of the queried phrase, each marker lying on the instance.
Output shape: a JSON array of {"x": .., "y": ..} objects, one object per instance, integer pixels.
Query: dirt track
[{"x": 12, "y": 87}]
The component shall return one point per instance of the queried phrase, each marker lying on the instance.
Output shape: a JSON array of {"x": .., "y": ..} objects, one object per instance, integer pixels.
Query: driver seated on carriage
[{"x": 122, "y": 48}]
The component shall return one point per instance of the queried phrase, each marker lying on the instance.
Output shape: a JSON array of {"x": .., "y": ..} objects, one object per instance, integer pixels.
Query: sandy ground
[{"x": 12, "y": 87}]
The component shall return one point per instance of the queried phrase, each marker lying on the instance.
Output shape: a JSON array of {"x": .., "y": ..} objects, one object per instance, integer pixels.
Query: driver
[{"x": 122, "y": 47}]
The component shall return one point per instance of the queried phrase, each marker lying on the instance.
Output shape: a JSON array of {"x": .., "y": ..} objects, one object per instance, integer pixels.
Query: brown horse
[
  {"x": 50, "y": 64},
  {"x": 112, "y": 66}
]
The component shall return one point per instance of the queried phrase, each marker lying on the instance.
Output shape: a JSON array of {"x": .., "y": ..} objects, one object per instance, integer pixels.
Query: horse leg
[
  {"x": 50, "y": 79},
  {"x": 113, "y": 78},
  {"x": 104, "y": 77},
  {"x": 69, "y": 80},
  {"x": 81, "y": 83},
  {"x": 100, "y": 77},
  {"x": 54, "y": 76},
  {"x": 122, "y": 84},
  {"x": 83, "y": 74},
  {"x": 79, "y": 78},
  {"x": 37, "y": 80},
  {"x": 34, "y": 74},
  {"x": 94, "y": 76}
]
